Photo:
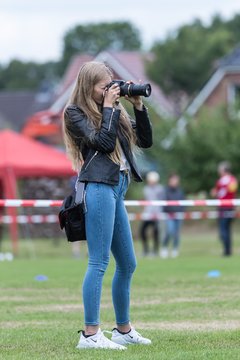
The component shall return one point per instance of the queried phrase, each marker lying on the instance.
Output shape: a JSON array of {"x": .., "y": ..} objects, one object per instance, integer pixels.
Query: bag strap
[
  {"x": 77, "y": 181},
  {"x": 80, "y": 186},
  {"x": 79, "y": 190}
]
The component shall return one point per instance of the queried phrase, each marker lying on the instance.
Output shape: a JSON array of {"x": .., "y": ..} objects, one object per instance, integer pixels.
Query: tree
[
  {"x": 208, "y": 140},
  {"x": 27, "y": 75},
  {"x": 89, "y": 39},
  {"x": 233, "y": 25},
  {"x": 186, "y": 59},
  {"x": 93, "y": 38}
]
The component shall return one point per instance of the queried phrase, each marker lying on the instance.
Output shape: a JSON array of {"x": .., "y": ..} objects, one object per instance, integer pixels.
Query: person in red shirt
[
  {"x": 225, "y": 189},
  {"x": 1, "y": 214}
]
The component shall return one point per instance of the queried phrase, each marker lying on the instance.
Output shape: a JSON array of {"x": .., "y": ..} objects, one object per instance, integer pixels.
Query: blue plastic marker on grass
[
  {"x": 214, "y": 274},
  {"x": 41, "y": 278}
]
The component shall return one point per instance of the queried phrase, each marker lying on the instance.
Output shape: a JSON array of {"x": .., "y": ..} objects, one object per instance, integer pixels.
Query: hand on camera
[
  {"x": 135, "y": 100},
  {"x": 111, "y": 96}
]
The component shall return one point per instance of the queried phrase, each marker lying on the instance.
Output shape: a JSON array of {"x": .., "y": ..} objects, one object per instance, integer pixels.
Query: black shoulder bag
[{"x": 72, "y": 214}]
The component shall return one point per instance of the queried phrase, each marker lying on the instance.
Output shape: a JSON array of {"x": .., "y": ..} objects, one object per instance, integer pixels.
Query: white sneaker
[
  {"x": 132, "y": 337},
  {"x": 98, "y": 341},
  {"x": 164, "y": 253}
]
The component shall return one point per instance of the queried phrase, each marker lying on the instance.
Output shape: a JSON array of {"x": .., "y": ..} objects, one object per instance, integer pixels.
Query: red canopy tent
[{"x": 22, "y": 157}]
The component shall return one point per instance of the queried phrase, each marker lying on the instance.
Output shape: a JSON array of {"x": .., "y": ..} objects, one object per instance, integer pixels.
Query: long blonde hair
[{"x": 89, "y": 75}]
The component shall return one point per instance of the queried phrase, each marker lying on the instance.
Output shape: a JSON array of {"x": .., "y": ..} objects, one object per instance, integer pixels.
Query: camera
[{"x": 132, "y": 89}]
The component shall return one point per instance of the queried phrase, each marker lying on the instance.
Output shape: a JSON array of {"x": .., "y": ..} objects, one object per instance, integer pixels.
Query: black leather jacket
[{"x": 95, "y": 145}]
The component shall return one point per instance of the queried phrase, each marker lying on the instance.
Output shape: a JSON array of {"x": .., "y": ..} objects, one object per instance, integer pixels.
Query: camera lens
[
  {"x": 148, "y": 90},
  {"x": 132, "y": 89},
  {"x": 136, "y": 90}
]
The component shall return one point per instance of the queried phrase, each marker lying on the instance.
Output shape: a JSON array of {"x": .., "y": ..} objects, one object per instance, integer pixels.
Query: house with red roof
[
  {"x": 126, "y": 65},
  {"x": 223, "y": 87}
]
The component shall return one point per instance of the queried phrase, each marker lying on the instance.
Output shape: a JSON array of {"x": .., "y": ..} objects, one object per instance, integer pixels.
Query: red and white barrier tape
[
  {"x": 57, "y": 203},
  {"x": 191, "y": 215},
  {"x": 208, "y": 202},
  {"x": 29, "y": 219},
  {"x": 52, "y": 219}
]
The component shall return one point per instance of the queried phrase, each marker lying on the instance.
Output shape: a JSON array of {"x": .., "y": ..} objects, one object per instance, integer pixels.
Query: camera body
[{"x": 132, "y": 89}]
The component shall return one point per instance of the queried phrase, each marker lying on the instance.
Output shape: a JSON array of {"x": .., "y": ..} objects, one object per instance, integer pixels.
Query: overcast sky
[{"x": 33, "y": 30}]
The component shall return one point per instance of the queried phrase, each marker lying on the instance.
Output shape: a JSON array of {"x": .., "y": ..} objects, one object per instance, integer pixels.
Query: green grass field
[{"x": 186, "y": 314}]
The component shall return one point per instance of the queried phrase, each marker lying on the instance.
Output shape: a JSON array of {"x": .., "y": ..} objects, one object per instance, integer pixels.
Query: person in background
[
  {"x": 225, "y": 189},
  {"x": 152, "y": 191},
  {"x": 173, "y": 223},
  {"x": 1, "y": 214}
]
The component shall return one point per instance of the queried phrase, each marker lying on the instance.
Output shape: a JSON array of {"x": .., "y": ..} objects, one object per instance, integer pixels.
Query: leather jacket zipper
[
  {"x": 95, "y": 154},
  {"x": 110, "y": 122}
]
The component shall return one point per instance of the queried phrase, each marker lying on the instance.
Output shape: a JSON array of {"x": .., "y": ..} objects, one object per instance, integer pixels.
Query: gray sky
[{"x": 33, "y": 30}]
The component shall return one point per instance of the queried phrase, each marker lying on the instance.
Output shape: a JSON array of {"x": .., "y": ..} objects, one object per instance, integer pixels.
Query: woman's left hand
[{"x": 135, "y": 100}]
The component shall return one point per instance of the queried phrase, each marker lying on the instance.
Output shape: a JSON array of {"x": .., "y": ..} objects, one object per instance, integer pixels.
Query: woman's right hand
[{"x": 111, "y": 96}]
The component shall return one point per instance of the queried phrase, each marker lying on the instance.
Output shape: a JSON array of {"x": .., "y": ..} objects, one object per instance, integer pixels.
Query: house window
[
  {"x": 237, "y": 97},
  {"x": 234, "y": 100}
]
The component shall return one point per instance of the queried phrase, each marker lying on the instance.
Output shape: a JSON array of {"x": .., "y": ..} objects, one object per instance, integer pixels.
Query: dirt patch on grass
[
  {"x": 19, "y": 324},
  {"x": 160, "y": 301},
  {"x": 49, "y": 308},
  {"x": 190, "y": 325},
  {"x": 77, "y": 306},
  {"x": 66, "y": 308},
  {"x": 51, "y": 294},
  {"x": 14, "y": 298},
  {"x": 164, "y": 325},
  {"x": 105, "y": 305}
]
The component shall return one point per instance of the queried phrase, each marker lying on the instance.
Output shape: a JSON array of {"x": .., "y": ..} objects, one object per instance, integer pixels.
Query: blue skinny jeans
[{"x": 108, "y": 229}]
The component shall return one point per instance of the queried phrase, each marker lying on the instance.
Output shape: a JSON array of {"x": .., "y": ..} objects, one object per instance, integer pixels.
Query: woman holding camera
[{"x": 100, "y": 138}]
